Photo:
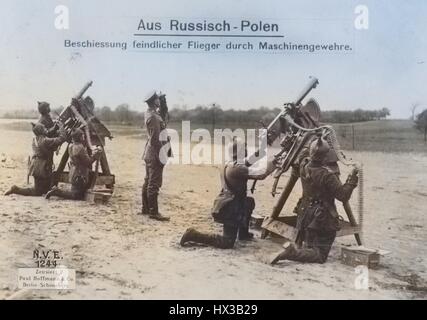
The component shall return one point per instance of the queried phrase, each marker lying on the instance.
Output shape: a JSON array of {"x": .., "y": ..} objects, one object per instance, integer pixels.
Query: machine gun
[
  {"x": 292, "y": 118},
  {"x": 80, "y": 114},
  {"x": 300, "y": 124}
]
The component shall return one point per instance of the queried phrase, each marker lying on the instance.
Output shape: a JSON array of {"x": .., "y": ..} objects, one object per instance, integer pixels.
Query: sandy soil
[{"x": 120, "y": 255}]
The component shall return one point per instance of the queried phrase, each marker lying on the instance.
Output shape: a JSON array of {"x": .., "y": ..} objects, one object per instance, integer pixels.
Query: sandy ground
[{"x": 120, "y": 255}]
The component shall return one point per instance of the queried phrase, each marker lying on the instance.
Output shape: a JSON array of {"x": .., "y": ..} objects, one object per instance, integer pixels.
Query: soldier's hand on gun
[
  {"x": 277, "y": 162},
  {"x": 96, "y": 153},
  {"x": 61, "y": 126},
  {"x": 353, "y": 179},
  {"x": 272, "y": 165}
]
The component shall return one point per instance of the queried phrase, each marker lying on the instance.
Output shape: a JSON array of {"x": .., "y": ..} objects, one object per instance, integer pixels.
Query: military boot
[
  {"x": 144, "y": 203},
  {"x": 288, "y": 253},
  {"x": 12, "y": 190},
  {"x": 217, "y": 241},
  {"x": 21, "y": 191},
  {"x": 244, "y": 233},
  {"x": 56, "y": 192},
  {"x": 153, "y": 211},
  {"x": 309, "y": 255},
  {"x": 190, "y": 234},
  {"x": 53, "y": 192}
]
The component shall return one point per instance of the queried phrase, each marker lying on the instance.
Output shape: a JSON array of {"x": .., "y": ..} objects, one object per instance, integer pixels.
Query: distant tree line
[
  {"x": 21, "y": 114},
  {"x": 121, "y": 114},
  {"x": 358, "y": 115},
  {"x": 212, "y": 114},
  {"x": 204, "y": 114}
]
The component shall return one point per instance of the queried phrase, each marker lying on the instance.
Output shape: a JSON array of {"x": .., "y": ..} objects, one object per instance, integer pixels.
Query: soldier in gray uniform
[
  {"x": 81, "y": 165},
  {"x": 232, "y": 207},
  {"x": 41, "y": 164},
  {"x": 318, "y": 219},
  {"x": 45, "y": 118},
  {"x": 155, "y": 159}
]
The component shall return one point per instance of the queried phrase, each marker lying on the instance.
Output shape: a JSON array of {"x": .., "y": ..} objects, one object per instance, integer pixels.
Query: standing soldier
[
  {"x": 155, "y": 159},
  {"x": 81, "y": 164},
  {"x": 232, "y": 208},
  {"x": 41, "y": 164},
  {"x": 318, "y": 219},
  {"x": 45, "y": 118}
]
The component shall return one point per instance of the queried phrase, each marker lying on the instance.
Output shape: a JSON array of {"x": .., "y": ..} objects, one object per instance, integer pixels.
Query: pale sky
[{"x": 388, "y": 67}]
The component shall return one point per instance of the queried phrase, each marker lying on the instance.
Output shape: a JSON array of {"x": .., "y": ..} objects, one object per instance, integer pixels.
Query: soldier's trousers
[
  {"x": 77, "y": 192},
  {"x": 317, "y": 244},
  {"x": 224, "y": 241},
  {"x": 41, "y": 186},
  {"x": 152, "y": 184}
]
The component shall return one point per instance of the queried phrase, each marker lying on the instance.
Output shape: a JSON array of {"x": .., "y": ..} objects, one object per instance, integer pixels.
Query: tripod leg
[
  {"x": 61, "y": 167},
  {"x": 352, "y": 221},
  {"x": 282, "y": 200}
]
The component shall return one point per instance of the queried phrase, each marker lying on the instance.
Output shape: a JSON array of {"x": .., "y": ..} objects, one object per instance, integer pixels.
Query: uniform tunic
[
  {"x": 155, "y": 158},
  {"x": 317, "y": 221}
]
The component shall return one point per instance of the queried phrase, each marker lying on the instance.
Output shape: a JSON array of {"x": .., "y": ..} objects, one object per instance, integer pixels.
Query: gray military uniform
[
  {"x": 80, "y": 167},
  {"x": 317, "y": 221},
  {"x": 41, "y": 164},
  {"x": 232, "y": 208},
  {"x": 153, "y": 164}
]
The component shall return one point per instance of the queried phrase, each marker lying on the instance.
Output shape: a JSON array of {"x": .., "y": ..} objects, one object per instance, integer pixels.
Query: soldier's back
[{"x": 46, "y": 120}]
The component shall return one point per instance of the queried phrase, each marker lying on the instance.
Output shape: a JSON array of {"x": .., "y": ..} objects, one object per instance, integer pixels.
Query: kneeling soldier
[
  {"x": 232, "y": 207},
  {"x": 81, "y": 164},
  {"x": 41, "y": 164},
  {"x": 318, "y": 219}
]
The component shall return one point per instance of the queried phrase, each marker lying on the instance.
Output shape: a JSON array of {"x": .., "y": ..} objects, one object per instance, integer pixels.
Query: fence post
[{"x": 352, "y": 135}]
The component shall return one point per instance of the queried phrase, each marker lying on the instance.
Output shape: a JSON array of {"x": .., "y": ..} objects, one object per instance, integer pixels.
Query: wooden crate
[
  {"x": 356, "y": 256},
  {"x": 97, "y": 197},
  {"x": 284, "y": 226},
  {"x": 100, "y": 180},
  {"x": 256, "y": 221}
]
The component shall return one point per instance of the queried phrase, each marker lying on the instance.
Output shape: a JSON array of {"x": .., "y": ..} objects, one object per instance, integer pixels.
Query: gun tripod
[{"x": 284, "y": 226}]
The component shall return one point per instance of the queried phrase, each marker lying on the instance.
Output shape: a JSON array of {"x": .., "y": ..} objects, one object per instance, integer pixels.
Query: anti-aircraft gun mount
[
  {"x": 80, "y": 114},
  {"x": 297, "y": 125}
]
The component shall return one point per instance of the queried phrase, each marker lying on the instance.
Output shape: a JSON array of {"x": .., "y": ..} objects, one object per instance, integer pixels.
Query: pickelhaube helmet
[
  {"x": 151, "y": 96},
  {"x": 319, "y": 148},
  {"x": 39, "y": 129},
  {"x": 43, "y": 107}
]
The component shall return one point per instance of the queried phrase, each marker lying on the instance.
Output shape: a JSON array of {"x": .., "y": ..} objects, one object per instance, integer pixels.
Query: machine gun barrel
[
  {"x": 64, "y": 115},
  {"x": 287, "y": 113},
  {"x": 83, "y": 90},
  {"x": 310, "y": 86}
]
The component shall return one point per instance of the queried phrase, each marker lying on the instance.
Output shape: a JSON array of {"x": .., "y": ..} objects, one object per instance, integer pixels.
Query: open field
[
  {"x": 118, "y": 254},
  {"x": 383, "y": 135}
]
